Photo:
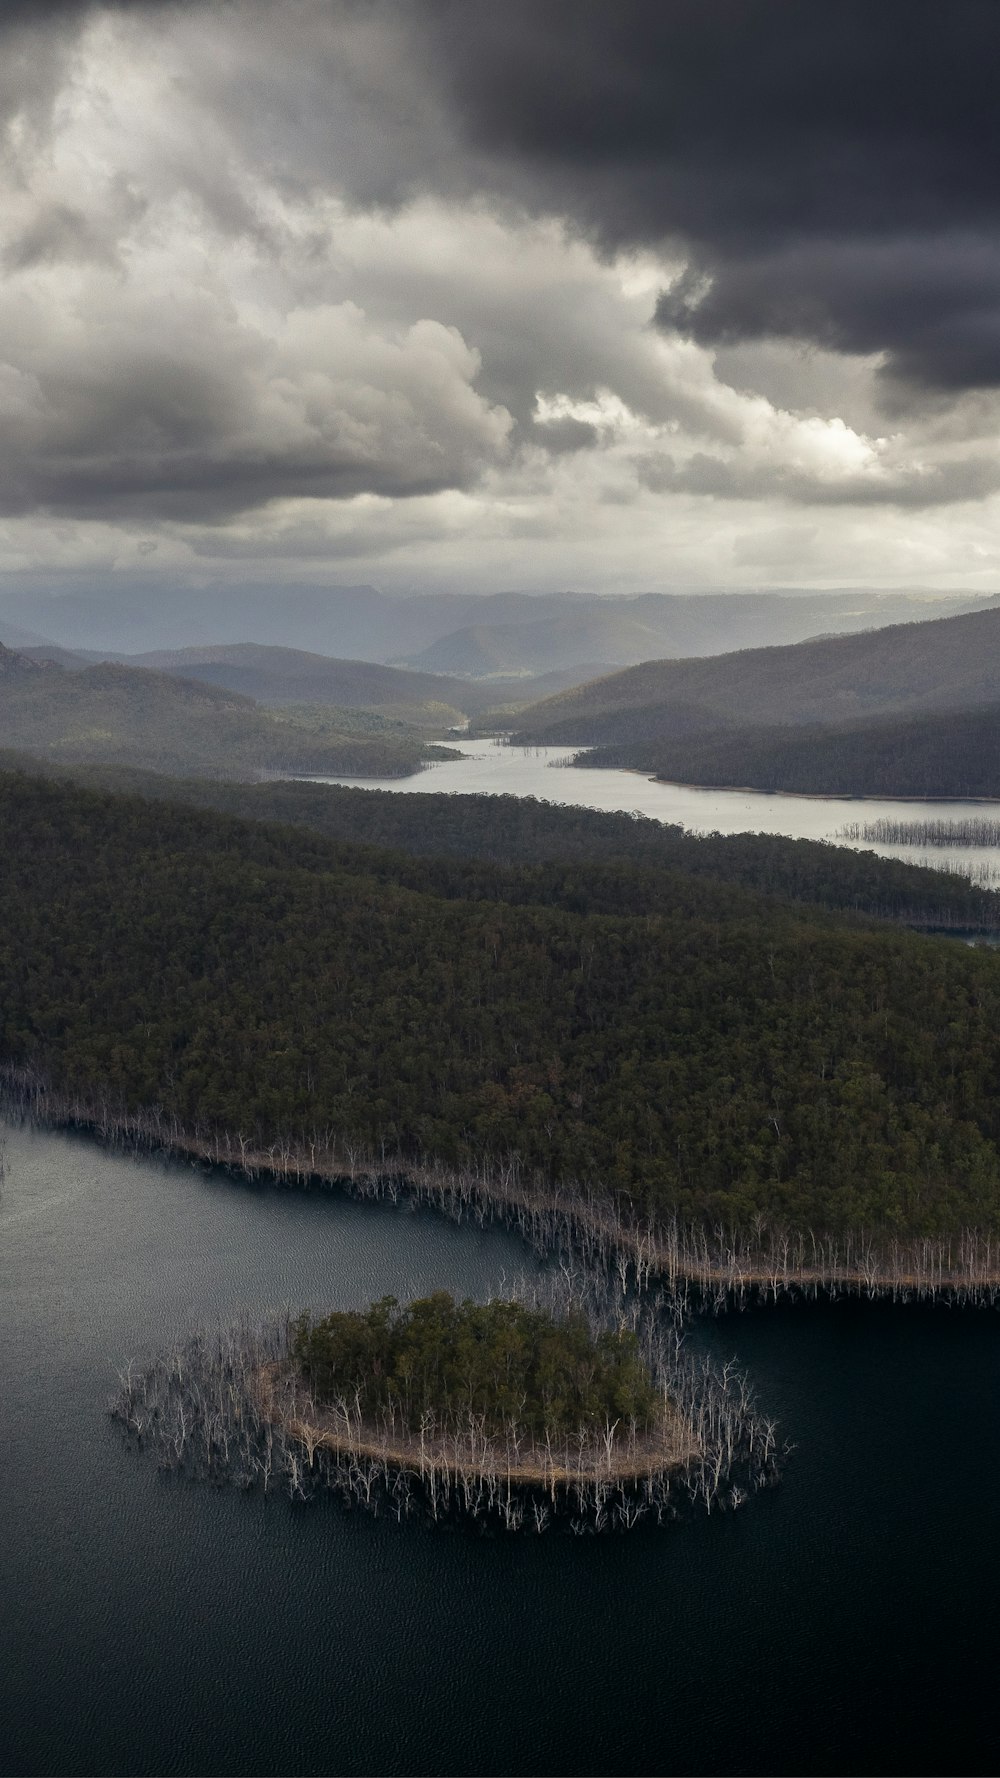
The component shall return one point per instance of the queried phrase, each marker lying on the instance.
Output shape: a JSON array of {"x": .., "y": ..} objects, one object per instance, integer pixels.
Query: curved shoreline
[
  {"x": 669, "y": 1450},
  {"x": 206, "y": 1408},
  {"x": 721, "y": 1263}
]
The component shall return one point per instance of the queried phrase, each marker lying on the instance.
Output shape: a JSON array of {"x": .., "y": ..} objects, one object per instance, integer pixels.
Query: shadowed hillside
[
  {"x": 956, "y": 754},
  {"x": 122, "y": 715},
  {"x": 293, "y": 676},
  {"x": 950, "y": 663},
  {"x": 628, "y": 859}
]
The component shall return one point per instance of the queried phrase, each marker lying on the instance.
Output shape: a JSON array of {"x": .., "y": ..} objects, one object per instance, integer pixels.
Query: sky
[{"x": 550, "y": 293}]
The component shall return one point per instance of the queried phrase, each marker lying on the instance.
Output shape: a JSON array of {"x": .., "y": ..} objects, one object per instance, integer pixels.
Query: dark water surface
[{"x": 846, "y": 1622}]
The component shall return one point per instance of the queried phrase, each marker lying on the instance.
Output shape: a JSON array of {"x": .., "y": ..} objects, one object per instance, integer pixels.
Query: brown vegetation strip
[{"x": 670, "y": 1447}]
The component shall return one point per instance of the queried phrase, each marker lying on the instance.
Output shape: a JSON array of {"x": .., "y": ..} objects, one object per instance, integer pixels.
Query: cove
[{"x": 154, "y": 1626}]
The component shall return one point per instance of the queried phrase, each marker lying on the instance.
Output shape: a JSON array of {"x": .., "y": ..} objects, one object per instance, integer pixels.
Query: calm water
[
  {"x": 846, "y": 1622},
  {"x": 539, "y": 772}
]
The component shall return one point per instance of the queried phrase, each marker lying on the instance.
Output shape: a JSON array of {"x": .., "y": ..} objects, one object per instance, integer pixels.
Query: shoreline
[
  {"x": 809, "y": 796},
  {"x": 667, "y": 1451},
  {"x": 725, "y": 1265},
  {"x": 206, "y": 1409}
]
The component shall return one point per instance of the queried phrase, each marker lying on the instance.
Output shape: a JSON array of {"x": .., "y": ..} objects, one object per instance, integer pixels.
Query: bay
[{"x": 844, "y": 1622}]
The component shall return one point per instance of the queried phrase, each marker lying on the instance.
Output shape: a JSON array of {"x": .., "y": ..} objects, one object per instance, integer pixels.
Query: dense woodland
[
  {"x": 294, "y": 676},
  {"x": 502, "y": 1362},
  {"x": 717, "y": 1056},
  {"x": 947, "y": 755},
  {"x": 498, "y": 832}
]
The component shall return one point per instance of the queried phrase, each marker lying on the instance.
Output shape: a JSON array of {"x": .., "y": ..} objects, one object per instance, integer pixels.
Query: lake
[
  {"x": 491, "y": 768},
  {"x": 845, "y": 1622}
]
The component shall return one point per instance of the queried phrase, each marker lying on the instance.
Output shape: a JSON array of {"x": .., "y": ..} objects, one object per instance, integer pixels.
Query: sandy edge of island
[{"x": 670, "y": 1449}]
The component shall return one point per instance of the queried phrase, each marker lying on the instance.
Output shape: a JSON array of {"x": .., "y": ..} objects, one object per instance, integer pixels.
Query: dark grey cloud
[
  {"x": 265, "y": 250},
  {"x": 565, "y": 435},
  {"x": 831, "y": 167},
  {"x": 195, "y": 416}
]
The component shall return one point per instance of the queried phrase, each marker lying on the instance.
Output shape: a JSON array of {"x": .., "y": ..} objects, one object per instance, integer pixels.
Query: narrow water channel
[{"x": 489, "y": 768}]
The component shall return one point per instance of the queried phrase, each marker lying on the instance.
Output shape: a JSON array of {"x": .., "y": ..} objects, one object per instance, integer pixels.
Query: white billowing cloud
[
  {"x": 206, "y": 357},
  {"x": 164, "y": 383}
]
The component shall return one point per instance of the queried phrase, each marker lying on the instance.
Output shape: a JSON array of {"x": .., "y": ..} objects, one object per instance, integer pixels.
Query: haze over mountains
[
  {"x": 470, "y": 635},
  {"x": 949, "y": 664},
  {"x": 275, "y": 675},
  {"x": 907, "y": 709}
]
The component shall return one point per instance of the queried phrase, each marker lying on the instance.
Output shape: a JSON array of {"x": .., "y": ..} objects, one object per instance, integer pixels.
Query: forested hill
[
  {"x": 126, "y": 716},
  {"x": 505, "y": 831},
  {"x": 293, "y": 676},
  {"x": 717, "y": 1057},
  {"x": 950, "y": 663},
  {"x": 952, "y": 755}
]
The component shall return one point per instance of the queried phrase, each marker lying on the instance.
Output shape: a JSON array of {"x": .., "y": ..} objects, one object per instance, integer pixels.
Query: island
[{"x": 506, "y": 1413}]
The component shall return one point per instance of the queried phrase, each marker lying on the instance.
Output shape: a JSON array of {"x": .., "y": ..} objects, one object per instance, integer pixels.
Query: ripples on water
[{"x": 846, "y": 1622}]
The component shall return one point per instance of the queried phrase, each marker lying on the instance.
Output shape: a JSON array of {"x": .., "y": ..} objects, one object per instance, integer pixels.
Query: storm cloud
[
  {"x": 831, "y": 168},
  {"x": 476, "y": 285}
]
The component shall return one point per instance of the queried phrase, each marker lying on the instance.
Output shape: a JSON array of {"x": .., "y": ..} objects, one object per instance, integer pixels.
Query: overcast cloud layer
[{"x": 621, "y": 297}]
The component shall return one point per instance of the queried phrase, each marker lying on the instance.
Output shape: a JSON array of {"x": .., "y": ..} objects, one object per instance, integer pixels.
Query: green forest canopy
[
  {"x": 513, "y": 1366},
  {"x": 949, "y": 663},
  {"x": 713, "y": 1054},
  {"x": 117, "y": 715},
  {"x": 623, "y": 855}
]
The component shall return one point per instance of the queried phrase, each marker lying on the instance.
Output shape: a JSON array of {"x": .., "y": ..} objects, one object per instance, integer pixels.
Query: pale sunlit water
[{"x": 489, "y": 768}]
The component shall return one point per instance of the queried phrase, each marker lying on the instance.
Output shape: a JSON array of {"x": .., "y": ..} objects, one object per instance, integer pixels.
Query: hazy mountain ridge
[
  {"x": 288, "y": 676},
  {"x": 363, "y": 623},
  {"x": 273, "y": 675},
  {"x": 948, "y": 663},
  {"x": 602, "y": 637}
]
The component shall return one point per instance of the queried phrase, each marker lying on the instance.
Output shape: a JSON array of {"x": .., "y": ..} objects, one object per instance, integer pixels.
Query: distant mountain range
[
  {"x": 950, "y": 664},
  {"x": 291, "y": 676},
  {"x": 494, "y": 636}
]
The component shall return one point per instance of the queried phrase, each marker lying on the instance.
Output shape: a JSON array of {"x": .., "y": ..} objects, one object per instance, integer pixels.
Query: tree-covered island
[
  {"x": 547, "y": 1396},
  {"x": 582, "y": 1407}
]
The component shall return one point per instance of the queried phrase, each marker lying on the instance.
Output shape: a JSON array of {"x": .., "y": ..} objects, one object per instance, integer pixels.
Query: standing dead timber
[
  {"x": 717, "y": 1264},
  {"x": 232, "y": 1405}
]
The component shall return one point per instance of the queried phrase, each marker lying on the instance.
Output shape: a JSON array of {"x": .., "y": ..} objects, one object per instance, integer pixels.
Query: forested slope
[
  {"x": 123, "y": 715},
  {"x": 950, "y": 663},
  {"x": 718, "y": 1057},
  {"x": 274, "y": 675},
  {"x": 505, "y": 831},
  {"x": 952, "y": 755}
]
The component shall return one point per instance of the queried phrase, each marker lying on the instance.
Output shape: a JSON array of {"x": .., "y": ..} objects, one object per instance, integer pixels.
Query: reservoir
[
  {"x": 846, "y": 1621},
  {"x": 492, "y": 768}
]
